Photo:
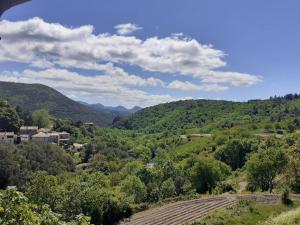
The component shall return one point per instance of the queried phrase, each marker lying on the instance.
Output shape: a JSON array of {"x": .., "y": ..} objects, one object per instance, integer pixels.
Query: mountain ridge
[
  {"x": 117, "y": 111},
  {"x": 31, "y": 97},
  {"x": 212, "y": 114}
]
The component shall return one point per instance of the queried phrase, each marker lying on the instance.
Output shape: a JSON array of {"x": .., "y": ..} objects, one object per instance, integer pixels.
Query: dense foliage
[
  {"x": 275, "y": 114},
  {"x": 9, "y": 118},
  {"x": 15, "y": 208},
  {"x": 117, "y": 172},
  {"x": 41, "y": 118},
  {"x": 17, "y": 163}
]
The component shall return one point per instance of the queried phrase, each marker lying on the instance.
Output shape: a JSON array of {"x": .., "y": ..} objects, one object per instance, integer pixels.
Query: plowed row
[{"x": 187, "y": 211}]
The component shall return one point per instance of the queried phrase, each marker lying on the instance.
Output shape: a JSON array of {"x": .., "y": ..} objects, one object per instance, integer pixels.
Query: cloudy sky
[{"x": 143, "y": 53}]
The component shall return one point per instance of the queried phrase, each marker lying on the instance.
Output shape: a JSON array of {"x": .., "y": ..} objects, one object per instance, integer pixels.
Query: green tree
[
  {"x": 42, "y": 189},
  {"x": 90, "y": 194},
  {"x": 293, "y": 170},
  {"x": 234, "y": 152},
  {"x": 16, "y": 209},
  {"x": 9, "y": 118},
  {"x": 41, "y": 118},
  {"x": 17, "y": 163},
  {"x": 206, "y": 173},
  {"x": 263, "y": 166},
  {"x": 135, "y": 188},
  {"x": 8, "y": 164},
  {"x": 168, "y": 189}
]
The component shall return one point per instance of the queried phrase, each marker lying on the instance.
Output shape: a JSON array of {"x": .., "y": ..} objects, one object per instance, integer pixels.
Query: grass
[
  {"x": 197, "y": 145},
  {"x": 249, "y": 213},
  {"x": 287, "y": 218}
]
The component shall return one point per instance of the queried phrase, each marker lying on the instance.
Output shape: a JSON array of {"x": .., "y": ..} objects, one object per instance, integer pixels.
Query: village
[{"x": 34, "y": 134}]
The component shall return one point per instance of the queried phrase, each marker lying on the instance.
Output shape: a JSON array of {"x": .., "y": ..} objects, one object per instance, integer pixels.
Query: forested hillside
[
  {"x": 36, "y": 96},
  {"x": 118, "y": 172},
  {"x": 213, "y": 114}
]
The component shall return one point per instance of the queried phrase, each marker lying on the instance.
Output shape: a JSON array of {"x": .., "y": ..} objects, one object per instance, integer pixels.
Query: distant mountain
[
  {"x": 211, "y": 115},
  {"x": 135, "y": 109},
  {"x": 36, "y": 96},
  {"x": 118, "y": 111}
]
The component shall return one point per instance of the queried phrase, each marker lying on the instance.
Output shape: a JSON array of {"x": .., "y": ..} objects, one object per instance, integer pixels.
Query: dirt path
[{"x": 186, "y": 211}]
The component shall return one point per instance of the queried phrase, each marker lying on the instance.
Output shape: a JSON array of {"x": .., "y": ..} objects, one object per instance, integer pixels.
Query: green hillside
[
  {"x": 36, "y": 96},
  {"x": 213, "y": 114}
]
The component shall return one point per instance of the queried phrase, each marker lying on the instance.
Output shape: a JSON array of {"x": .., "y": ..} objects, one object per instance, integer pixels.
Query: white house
[
  {"x": 7, "y": 137},
  {"x": 41, "y": 137},
  {"x": 29, "y": 130},
  {"x": 24, "y": 137}
]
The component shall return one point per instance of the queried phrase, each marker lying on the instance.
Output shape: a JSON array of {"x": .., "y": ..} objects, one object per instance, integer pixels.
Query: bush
[
  {"x": 135, "y": 188},
  {"x": 168, "y": 189},
  {"x": 206, "y": 173},
  {"x": 223, "y": 187},
  {"x": 285, "y": 197}
]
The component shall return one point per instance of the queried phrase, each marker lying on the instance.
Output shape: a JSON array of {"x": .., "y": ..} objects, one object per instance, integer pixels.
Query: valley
[{"x": 222, "y": 155}]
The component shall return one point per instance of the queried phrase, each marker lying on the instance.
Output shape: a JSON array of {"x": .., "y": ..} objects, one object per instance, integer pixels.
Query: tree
[
  {"x": 91, "y": 195},
  {"x": 234, "y": 152},
  {"x": 263, "y": 166},
  {"x": 168, "y": 189},
  {"x": 41, "y": 118},
  {"x": 24, "y": 115},
  {"x": 8, "y": 164},
  {"x": 41, "y": 189},
  {"x": 9, "y": 118},
  {"x": 293, "y": 171},
  {"x": 132, "y": 168},
  {"x": 206, "y": 173},
  {"x": 16, "y": 209},
  {"x": 17, "y": 163},
  {"x": 135, "y": 188}
]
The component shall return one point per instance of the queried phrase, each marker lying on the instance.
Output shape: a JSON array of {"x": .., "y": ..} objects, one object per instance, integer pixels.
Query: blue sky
[{"x": 257, "y": 40}]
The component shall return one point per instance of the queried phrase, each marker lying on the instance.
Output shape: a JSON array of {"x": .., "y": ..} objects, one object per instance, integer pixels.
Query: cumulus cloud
[
  {"x": 58, "y": 50},
  {"x": 127, "y": 28},
  {"x": 188, "y": 86},
  {"x": 27, "y": 41},
  {"x": 101, "y": 87}
]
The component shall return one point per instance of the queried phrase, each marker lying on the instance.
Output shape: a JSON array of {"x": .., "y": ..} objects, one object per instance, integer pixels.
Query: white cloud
[
  {"x": 99, "y": 88},
  {"x": 27, "y": 41},
  {"x": 127, "y": 28},
  {"x": 188, "y": 86},
  {"x": 51, "y": 46}
]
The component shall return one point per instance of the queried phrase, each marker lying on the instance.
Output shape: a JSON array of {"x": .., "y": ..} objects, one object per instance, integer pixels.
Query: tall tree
[
  {"x": 263, "y": 167},
  {"x": 41, "y": 118},
  {"x": 9, "y": 118}
]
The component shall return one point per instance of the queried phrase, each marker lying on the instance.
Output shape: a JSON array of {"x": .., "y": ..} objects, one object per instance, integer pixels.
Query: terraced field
[{"x": 187, "y": 211}]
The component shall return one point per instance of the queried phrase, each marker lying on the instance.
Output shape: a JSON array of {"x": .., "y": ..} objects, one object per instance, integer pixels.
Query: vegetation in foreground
[{"x": 288, "y": 218}]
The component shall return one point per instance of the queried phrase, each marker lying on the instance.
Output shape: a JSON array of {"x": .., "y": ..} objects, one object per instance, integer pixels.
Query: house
[
  {"x": 24, "y": 137},
  {"x": 7, "y": 137},
  {"x": 41, "y": 137},
  {"x": 44, "y": 130},
  {"x": 14, "y": 188},
  {"x": 77, "y": 146},
  {"x": 53, "y": 137},
  {"x": 89, "y": 124},
  {"x": 29, "y": 130},
  {"x": 64, "y": 137}
]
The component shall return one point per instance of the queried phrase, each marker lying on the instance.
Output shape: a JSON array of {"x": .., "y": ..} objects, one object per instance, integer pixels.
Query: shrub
[{"x": 285, "y": 197}]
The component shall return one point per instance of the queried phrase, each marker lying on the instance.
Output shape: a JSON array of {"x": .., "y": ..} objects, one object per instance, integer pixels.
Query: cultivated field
[{"x": 187, "y": 211}]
